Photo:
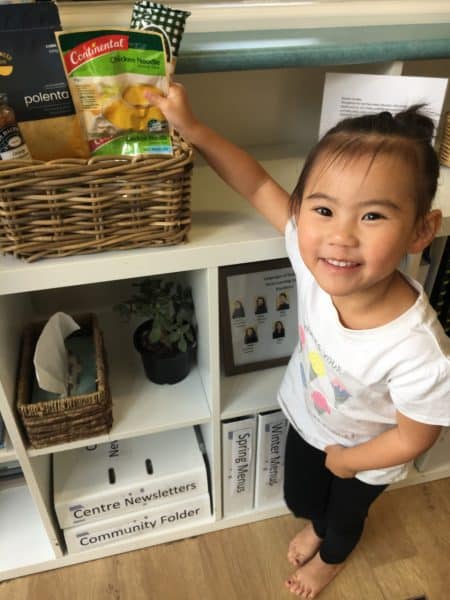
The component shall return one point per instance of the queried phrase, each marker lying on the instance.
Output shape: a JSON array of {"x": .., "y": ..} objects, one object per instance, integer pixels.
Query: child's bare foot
[
  {"x": 310, "y": 579},
  {"x": 303, "y": 546}
]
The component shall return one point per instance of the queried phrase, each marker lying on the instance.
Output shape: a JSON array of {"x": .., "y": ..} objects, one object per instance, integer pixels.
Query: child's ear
[{"x": 426, "y": 230}]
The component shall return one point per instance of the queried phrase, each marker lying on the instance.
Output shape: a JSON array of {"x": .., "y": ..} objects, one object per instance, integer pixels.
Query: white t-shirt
[{"x": 343, "y": 386}]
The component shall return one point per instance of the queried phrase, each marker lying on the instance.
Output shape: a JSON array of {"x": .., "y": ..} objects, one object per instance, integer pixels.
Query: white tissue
[{"x": 51, "y": 357}]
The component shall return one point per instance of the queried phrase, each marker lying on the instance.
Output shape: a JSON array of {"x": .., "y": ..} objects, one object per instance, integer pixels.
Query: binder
[
  {"x": 152, "y": 519},
  {"x": 124, "y": 476},
  {"x": 238, "y": 464},
  {"x": 271, "y": 444},
  {"x": 2, "y": 433},
  {"x": 440, "y": 294}
]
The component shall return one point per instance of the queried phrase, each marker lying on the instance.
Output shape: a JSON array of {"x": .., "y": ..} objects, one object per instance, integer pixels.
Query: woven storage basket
[
  {"x": 444, "y": 152},
  {"x": 76, "y": 206},
  {"x": 63, "y": 419}
]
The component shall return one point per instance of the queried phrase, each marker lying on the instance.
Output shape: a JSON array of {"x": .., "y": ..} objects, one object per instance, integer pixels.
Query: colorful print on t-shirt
[{"x": 323, "y": 388}]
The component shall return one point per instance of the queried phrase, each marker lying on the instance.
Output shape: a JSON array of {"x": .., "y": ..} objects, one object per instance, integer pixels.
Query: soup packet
[{"x": 109, "y": 72}]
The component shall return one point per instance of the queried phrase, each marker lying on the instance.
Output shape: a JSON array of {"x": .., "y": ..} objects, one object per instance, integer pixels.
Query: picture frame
[{"x": 258, "y": 315}]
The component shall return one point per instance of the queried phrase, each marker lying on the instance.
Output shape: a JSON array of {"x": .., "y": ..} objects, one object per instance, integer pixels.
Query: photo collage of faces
[{"x": 257, "y": 315}]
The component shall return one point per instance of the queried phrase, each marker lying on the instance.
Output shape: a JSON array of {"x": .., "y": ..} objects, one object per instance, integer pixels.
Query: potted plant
[{"x": 166, "y": 340}]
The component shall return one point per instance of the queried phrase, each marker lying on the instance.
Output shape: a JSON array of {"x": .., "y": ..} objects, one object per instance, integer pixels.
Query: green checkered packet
[{"x": 152, "y": 16}]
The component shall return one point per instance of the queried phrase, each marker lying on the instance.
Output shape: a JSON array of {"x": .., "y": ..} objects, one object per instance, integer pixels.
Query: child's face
[{"x": 356, "y": 222}]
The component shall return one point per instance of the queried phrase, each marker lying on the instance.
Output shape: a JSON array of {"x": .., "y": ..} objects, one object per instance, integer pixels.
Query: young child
[{"x": 368, "y": 387}]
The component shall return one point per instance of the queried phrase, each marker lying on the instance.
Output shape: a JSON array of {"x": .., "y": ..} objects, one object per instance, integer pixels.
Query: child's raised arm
[{"x": 237, "y": 168}]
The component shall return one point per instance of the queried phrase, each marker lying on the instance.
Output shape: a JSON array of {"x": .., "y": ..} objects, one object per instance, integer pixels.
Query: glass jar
[{"x": 12, "y": 144}]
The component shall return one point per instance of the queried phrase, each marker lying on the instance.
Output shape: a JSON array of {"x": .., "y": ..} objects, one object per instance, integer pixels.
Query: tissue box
[
  {"x": 63, "y": 419},
  {"x": 128, "y": 475},
  {"x": 151, "y": 520}
]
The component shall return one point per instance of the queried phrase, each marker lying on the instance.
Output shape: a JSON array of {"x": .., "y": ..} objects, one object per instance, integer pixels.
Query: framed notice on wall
[{"x": 258, "y": 308}]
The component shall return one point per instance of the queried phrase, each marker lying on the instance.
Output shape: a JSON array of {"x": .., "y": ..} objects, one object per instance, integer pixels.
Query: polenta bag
[
  {"x": 110, "y": 71},
  {"x": 32, "y": 75}
]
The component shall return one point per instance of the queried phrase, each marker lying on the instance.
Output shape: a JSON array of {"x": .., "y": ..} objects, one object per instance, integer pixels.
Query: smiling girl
[{"x": 367, "y": 388}]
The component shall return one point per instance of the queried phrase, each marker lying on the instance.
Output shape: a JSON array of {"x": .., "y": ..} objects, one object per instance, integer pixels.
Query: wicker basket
[
  {"x": 444, "y": 152},
  {"x": 76, "y": 206},
  {"x": 63, "y": 419}
]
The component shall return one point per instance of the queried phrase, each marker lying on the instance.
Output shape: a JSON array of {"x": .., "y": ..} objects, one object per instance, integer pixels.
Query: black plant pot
[{"x": 161, "y": 368}]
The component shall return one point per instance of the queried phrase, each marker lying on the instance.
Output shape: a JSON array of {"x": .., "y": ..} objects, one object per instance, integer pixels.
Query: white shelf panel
[
  {"x": 118, "y": 547},
  {"x": 265, "y": 512},
  {"x": 179, "y": 533},
  {"x": 140, "y": 406},
  {"x": 250, "y": 393},
  {"x": 220, "y": 236},
  {"x": 23, "y": 541},
  {"x": 225, "y": 230},
  {"x": 145, "y": 541}
]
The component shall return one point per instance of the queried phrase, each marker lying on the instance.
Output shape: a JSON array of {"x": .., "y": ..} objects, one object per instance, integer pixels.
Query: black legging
[{"x": 336, "y": 507}]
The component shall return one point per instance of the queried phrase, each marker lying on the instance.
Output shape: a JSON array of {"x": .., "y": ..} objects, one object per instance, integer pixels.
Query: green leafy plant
[{"x": 169, "y": 307}]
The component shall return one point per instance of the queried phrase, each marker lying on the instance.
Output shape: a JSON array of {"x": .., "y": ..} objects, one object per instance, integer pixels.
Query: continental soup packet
[{"x": 109, "y": 72}]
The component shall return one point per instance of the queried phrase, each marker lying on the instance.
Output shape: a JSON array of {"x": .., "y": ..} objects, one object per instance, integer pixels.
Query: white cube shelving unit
[{"x": 275, "y": 113}]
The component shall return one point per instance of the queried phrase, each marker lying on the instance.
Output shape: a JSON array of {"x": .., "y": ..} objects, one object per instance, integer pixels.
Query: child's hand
[
  {"x": 335, "y": 462},
  {"x": 176, "y": 108}
]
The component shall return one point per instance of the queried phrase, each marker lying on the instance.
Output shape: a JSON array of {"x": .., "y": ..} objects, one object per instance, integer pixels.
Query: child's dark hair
[{"x": 408, "y": 134}]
